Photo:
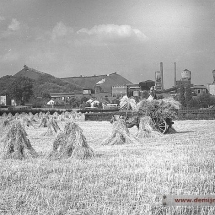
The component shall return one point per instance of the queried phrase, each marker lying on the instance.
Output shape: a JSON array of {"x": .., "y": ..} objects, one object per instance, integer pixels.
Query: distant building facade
[
  {"x": 134, "y": 90},
  {"x": 146, "y": 85},
  {"x": 87, "y": 91},
  {"x": 67, "y": 96},
  {"x": 5, "y": 100},
  {"x": 199, "y": 89},
  {"x": 119, "y": 91},
  {"x": 62, "y": 96}
]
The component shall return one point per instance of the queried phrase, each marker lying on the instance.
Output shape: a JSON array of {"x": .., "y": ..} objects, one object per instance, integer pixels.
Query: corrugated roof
[
  {"x": 89, "y": 82},
  {"x": 199, "y": 87}
]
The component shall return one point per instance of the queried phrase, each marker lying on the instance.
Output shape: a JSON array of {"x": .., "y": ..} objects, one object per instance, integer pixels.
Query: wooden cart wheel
[{"x": 161, "y": 125}]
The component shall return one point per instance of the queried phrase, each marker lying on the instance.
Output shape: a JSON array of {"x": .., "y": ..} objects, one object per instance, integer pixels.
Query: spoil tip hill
[{"x": 47, "y": 83}]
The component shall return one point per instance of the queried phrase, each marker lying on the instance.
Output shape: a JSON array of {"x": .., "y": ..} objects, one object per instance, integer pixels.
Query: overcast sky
[{"x": 68, "y": 38}]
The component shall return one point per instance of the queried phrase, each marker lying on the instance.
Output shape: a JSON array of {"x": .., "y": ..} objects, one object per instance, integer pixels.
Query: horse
[{"x": 130, "y": 121}]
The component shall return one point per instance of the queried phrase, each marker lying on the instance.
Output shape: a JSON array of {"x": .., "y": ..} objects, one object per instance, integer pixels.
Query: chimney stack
[
  {"x": 161, "y": 70},
  {"x": 175, "y": 74}
]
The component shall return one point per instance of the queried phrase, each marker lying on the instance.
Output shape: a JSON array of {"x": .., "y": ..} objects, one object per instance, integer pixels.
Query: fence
[
  {"x": 102, "y": 115},
  {"x": 196, "y": 113},
  {"x": 183, "y": 114}
]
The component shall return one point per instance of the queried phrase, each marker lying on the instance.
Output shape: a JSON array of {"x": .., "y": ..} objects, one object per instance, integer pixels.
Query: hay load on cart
[{"x": 161, "y": 112}]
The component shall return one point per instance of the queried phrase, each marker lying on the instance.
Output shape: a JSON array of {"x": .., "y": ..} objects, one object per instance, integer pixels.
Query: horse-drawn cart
[
  {"x": 160, "y": 111},
  {"x": 132, "y": 119},
  {"x": 162, "y": 125}
]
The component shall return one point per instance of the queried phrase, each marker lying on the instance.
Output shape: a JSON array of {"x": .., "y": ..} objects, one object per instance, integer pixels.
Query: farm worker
[{"x": 152, "y": 94}]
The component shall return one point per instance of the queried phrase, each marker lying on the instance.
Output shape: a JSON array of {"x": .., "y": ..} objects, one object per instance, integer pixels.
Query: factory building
[
  {"x": 119, "y": 91},
  {"x": 211, "y": 87},
  {"x": 185, "y": 78},
  {"x": 159, "y": 85}
]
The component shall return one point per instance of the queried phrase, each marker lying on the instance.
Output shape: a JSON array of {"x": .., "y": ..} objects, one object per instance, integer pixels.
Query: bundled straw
[
  {"x": 4, "y": 125},
  {"x": 52, "y": 126},
  {"x": 147, "y": 128},
  {"x": 7, "y": 122},
  {"x": 71, "y": 143},
  {"x": 44, "y": 122},
  {"x": 26, "y": 121},
  {"x": 4, "y": 115},
  {"x": 127, "y": 103},
  {"x": 120, "y": 134},
  {"x": 16, "y": 116},
  {"x": 55, "y": 115},
  {"x": 10, "y": 115},
  {"x": 17, "y": 145},
  {"x": 32, "y": 117},
  {"x": 162, "y": 108}
]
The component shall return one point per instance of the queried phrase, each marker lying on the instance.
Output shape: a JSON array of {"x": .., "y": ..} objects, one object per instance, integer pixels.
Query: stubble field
[{"x": 120, "y": 179}]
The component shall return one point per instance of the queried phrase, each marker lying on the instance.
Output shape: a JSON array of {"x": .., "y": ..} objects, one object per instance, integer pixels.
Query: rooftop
[
  {"x": 199, "y": 86},
  {"x": 105, "y": 81}
]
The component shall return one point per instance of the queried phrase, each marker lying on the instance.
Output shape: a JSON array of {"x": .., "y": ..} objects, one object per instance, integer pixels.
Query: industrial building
[
  {"x": 159, "y": 85},
  {"x": 134, "y": 90},
  {"x": 115, "y": 86},
  {"x": 211, "y": 87},
  {"x": 185, "y": 78},
  {"x": 119, "y": 91}
]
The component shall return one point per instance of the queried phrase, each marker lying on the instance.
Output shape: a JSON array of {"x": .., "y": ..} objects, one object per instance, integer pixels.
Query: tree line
[
  {"x": 21, "y": 89},
  {"x": 24, "y": 90},
  {"x": 189, "y": 99}
]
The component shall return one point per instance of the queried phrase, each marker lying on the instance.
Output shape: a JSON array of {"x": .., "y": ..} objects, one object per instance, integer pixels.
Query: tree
[
  {"x": 74, "y": 102},
  {"x": 115, "y": 101},
  {"x": 193, "y": 103},
  {"x": 188, "y": 95},
  {"x": 212, "y": 100},
  {"x": 87, "y": 104},
  {"x": 204, "y": 100},
  {"x": 106, "y": 99},
  {"x": 181, "y": 95},
  {"x": 100, "y": 106},
  {"x": 21, "y": 89},
  {"x": 37, "y": 102},
  {"x": 144, "y": 94},
  {"x": 5, "y": 81},
  {"x": 84, "y": 99},
  {"x": 46, "y": 95}
]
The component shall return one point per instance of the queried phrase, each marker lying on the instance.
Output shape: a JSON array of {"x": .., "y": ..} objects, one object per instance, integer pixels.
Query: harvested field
[{"x": 119, "y": 179}]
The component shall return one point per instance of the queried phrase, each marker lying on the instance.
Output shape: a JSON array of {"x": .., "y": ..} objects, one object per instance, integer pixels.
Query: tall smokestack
[
  {"x": 175, "y": 74},
  {"x": 161, "y": 70}
]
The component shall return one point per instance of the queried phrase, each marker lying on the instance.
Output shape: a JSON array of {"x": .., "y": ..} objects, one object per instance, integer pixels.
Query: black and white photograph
[{"x": 107, "y": 107}]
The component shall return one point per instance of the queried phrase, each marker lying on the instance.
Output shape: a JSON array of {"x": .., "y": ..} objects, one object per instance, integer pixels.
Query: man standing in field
[{"x": 152, "y": 94}]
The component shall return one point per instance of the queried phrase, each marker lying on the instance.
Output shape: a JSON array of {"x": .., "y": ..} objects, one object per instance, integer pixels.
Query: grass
[{"x": 120, "y": 179}]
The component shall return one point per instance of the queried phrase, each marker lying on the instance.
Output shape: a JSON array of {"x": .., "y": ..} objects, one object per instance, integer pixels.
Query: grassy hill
[
  {"x": 30, "y": 73},
  {"x": 43, "y": 82},
  {"x": 46, "y": 83}
]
